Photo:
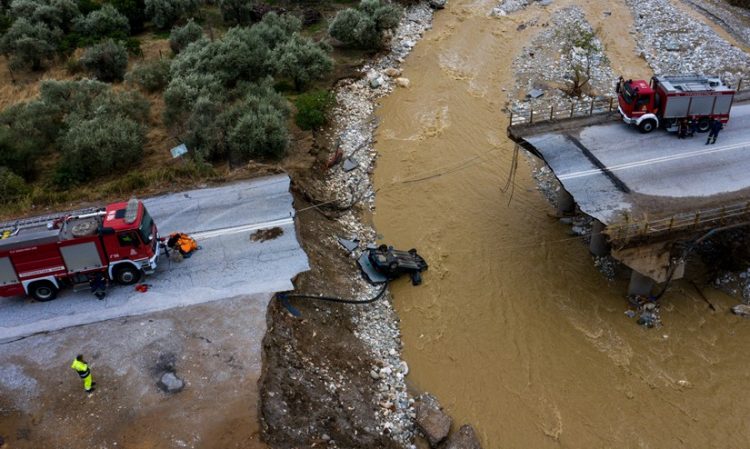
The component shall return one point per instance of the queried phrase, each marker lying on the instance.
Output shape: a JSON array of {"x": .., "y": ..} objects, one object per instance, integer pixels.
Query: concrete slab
[
  {"x": 229, "y": 263},
  {"x": 613, "y": 169}
]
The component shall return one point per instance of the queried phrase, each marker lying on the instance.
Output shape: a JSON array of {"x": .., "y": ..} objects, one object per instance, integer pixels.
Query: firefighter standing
[
  {"x": 83, "y": 370},
  {"x": 715, "y": 127},
  {"x": 98, "y": 286}
]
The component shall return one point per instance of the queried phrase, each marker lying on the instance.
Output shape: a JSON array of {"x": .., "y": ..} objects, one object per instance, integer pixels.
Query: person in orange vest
[
  {"x": 84, "y": 372},
  {"x": 183, "y": 243}
]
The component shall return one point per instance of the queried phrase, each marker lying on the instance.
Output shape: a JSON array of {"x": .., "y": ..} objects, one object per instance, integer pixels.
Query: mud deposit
[{"x": 514, "y": 329}]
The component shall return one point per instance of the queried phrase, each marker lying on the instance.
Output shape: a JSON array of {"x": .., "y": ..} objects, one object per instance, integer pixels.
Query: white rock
[{"x": 403, "y": 82}]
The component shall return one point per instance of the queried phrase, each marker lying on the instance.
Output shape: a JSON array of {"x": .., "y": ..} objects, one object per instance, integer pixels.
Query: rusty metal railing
[
  {"x": 695, "y": 220},
  {"x": 557, "y": 112}
]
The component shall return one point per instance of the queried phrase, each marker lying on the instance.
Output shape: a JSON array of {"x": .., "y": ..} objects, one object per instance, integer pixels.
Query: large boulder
[
  {"x": 434, "y": 423},
  {"x": 465, "y": 438},
  {"x": 437, "y": 4}
]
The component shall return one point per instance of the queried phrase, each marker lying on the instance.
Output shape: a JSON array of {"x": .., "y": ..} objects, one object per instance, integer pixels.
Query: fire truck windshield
[
  {"x": 146, "y": 226},
  {"x": 628, "y": 94}
]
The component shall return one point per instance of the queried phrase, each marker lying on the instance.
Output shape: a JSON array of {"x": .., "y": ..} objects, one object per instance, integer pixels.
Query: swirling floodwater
[{"x": 514, "y": 329}]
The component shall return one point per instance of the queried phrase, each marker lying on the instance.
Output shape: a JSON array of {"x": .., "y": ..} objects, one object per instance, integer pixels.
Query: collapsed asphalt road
[{"x": 230, "y": 262}]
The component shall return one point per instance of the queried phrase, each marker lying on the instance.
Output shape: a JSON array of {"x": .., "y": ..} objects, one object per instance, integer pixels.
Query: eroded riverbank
[{"x": 514, "y": 329}]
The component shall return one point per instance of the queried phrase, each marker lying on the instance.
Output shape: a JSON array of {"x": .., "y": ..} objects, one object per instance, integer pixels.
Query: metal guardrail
[
  {"x": 552, "y": 112},
  {"x": 557, "y": 112},
  {"x": 680, "y": 222}
]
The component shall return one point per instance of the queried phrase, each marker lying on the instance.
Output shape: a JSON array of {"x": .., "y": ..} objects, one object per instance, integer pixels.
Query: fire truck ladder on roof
[{"x": 10, "y": 228}]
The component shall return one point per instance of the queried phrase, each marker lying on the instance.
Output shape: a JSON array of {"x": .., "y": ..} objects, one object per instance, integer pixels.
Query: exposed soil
[
  {"x": 43, "y": 405},
  {"x": 263, "y": 235},
  {"x": 315, "y": 386}
]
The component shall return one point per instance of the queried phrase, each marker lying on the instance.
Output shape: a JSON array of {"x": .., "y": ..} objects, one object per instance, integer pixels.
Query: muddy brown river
[{"x": 514, "y": 329}]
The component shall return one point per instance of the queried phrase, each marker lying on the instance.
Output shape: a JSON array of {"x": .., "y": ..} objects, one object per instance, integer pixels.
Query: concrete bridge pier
[
  {"x": 640, "y": 284},
  {"x": 598, "y": 246},
  {"x": 565, "y": 203}
]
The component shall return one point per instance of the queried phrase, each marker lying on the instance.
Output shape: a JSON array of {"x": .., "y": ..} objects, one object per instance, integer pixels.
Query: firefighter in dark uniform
[{"x": 715, "y": 127}]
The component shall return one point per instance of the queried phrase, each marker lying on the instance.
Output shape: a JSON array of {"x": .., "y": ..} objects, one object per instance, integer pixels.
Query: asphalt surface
[
  {"x": 228, "y": 264},
  {"x": 613, "y": 168}
]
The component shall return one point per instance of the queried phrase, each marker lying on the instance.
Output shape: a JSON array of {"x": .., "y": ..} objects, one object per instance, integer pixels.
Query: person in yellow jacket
[{"x": 83, "y": 370}]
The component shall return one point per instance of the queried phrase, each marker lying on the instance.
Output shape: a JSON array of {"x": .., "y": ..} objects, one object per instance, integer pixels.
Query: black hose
[{"x": 285, "y": 295}]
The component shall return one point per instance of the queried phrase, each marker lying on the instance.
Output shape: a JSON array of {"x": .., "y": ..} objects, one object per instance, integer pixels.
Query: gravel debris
[
  {"x": 377, "y": 324},
  {"x": 675, "y": 43},
  {"x": 548, "y": 62},
  {"x": 734, "y": 19}
]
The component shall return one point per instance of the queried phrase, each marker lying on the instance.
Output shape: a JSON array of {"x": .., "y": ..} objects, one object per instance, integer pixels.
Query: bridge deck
[{"x": 616, "y": 174}]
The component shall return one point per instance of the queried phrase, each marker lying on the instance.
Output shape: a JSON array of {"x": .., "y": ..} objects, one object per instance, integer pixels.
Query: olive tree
[
  {"x": 181, "y": 37},
  {"x": 107, "y": 60},
  {"x": 365, "y": 26},
  {"x": 237, "y": 12},
  {"x": 12, "y": 186},
  {"x": 106, "y": 22},
  {"x": 152, "y": 76},
  {"x": 29, "y": 45},
  {"x": 164, "y": 13},
  {"x": 303, "y": 60},
  {"x": 99, "y": 146}
]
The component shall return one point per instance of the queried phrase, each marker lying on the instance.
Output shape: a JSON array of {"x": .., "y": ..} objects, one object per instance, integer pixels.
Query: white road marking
[
  {"x": 242, "y": 228},
  {"x": 656, "y": 160}
]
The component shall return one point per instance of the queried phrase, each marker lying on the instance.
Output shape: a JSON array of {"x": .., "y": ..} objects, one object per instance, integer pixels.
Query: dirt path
[
  {"x": 514, "y": 329},
  {"x": 215, "y": 348}
]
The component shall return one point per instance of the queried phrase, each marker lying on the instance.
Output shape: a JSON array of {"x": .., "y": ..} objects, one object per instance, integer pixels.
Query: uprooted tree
[{"x": 581, "y": 50}]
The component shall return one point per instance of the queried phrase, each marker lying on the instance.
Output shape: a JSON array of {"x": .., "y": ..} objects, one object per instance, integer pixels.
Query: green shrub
[
  {"x": 133, "y": 46},
  {"x": 58, "y": 14},
  {"x": 164, "y": 13},
  {"x": 97, "y": 147},
  {"x": 103, "y": 23},
  {"x": 181, "y": 37},
  {"x": 257, "y": 125},
  {"x": 364, "y": 27},
  {"x": 86, "y": 6},
  {"x": 29, "y": 45},
  {"x": 12, "y": 186},
  {"x": 312, "y": 109},
  {"x": 134, "y": 10},
  {"x": 151, "y": 76},
  {"x": 107, "y": 60},
  {"x": 237, "y": 12},
  {"x": 303, "y": 60}
]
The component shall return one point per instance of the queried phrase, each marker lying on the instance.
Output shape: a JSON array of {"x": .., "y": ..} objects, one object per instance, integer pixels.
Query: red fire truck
[
  {"x": 40, "y": 256},
  {"x": 667, "y": 99}
]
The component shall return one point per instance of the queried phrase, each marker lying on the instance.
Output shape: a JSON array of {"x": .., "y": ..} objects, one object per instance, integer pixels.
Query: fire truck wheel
[
  {"x": 647, "y": 126},
  {"x": 43, "y": 291},
  {"x": 703, "y": 125},
  {"x": 126, "y": 274}
]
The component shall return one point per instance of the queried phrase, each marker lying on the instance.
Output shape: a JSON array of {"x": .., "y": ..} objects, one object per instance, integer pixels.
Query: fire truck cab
[
  {"x": 667, "y": 99},
  {"x": 39, "y": 257}
]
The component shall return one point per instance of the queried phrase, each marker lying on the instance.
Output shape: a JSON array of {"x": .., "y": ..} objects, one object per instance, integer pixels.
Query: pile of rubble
[
  {"x": 546, "y": 67},
  {"x": 734, "y": 19},
  {"x": 673, "y": 43}
]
